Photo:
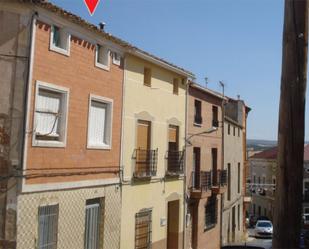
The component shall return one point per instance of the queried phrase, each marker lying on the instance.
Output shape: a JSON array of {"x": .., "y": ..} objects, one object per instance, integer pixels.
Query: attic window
[
  {"x": 116, "y": 59},
  {"x": 102, "y": 57},
  {"x": 60, "y": 40},
  {"x": 147, "y": 76}
]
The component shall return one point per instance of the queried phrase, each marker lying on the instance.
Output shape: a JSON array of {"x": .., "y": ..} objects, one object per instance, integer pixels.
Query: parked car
[
  {"x": 263, "y": 228},
  {"x": 262, "y": 218}
]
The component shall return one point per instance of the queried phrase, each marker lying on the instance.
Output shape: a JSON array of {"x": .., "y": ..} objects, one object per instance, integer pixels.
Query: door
[
  {"x": 143, "y": 146},
  {"x": 196, "y": 167},
  {"x": 173, "y": 225}
]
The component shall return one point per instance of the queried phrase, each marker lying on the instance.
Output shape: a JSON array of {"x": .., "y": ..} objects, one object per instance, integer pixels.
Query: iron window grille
[
  {"x": 175, "y": 161},
  {"x": 143, "y": 229},
  {"x": 211, "y": 212},
  {"x": 201, "y": 180},
  {"x": 145, "y": 163},
  {"x": 48, "y": 227}
]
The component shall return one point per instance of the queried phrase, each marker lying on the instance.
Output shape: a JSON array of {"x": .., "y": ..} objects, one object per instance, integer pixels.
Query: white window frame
[
  {"x": 98, "y": 64},
  {"x": 109, "y": 126},
  {"x": 64, "y": 123},
  {"x": 115, "y": 61},
  {"x": 58, "y": 49}
]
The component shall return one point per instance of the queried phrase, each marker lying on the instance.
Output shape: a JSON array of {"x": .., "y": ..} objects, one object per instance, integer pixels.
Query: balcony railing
[
  {"x": 215, "y": 123},
  {"x": 201, "y": 180},
  {"x": 145, "y": 163},
  {"x": 198, "y": 119},
  {"x": 175, "y": 162},
  {"x": 223, "y": 177}
]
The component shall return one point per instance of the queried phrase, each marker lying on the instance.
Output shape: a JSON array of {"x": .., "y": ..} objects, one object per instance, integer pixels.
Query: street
[{"x": 266, "y": 243}]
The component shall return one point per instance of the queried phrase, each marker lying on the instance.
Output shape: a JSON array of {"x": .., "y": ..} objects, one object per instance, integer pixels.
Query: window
[
  {"x": 215, "y": 122},
  {"x": 93, "y": 219},
  {"x": 234, "y": 130},
  {"x": 228, "y": 129},
  {"x": 198, "y": 112},
  {"x": 99, "y": 122},
  {"x": 238, "y": 176},
  {"x": 48, "y": 227},
  {"x": 102, "y": 57},
  {"x": 229, "y": 186},
  {"x": 211, "y": 212},
  {"x": 254, "y": 209},
  {"x": 143, "y": 229},
  {"x": 238, "y": 131},
  {"x": 60, "y": 40},
  {"x": 147, "y": 76},
  {"x": 50, "y": 117},
  {"x": 274, "y": 185},
  {"x": 116, "y": 59},
  {"x": 175, "y": 86},
  {"x": 238, "y": 216}
]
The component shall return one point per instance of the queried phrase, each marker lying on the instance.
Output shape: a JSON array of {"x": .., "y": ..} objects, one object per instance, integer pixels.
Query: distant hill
[{"x": 258, "y": 144}]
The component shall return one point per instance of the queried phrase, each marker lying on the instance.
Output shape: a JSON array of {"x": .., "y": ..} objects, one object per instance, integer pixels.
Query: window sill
[
  {"x": 60, "y": 50},
  {"x": 102, "y": 66},
  {"x": 98, "y": 147},
  {"x": 41, "y": 143},
  {"x": 197, "y": 124},
  {"x": 206, "y": 229}
]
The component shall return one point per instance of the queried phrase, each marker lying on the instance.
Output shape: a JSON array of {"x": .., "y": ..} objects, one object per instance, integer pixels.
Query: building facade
[
  {"x": 66, "y": 174},
  {"x": 206, "y": 178},
  {"x": 153, "y": 154},
  {"x": 233, "y": 214}
]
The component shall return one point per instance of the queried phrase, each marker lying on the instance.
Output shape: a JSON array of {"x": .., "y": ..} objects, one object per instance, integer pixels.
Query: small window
[
  {"x": 198, "y": 112},
  {"x": 93, "y": 220},
  {"x": 234, "y": 131},
  {"x": 48, "y": 227},
  {"x": 99, "y": 123},
  {"x": 60, "y": 40},
  {"x": 238, "y": 182},
  {"x": 50, "y": 117},
  {"x": 229, "y": 182},
  {"x": 238, "y": 131},
  {"x": 211, "y": 212},
  {"x": 175, "y": 86},
  {"x": 143, "y": 229},
  {"x": 238, "y": 216},
  {"x": 116, "y": 59},
  {"x": 102, "y": 57},
  {"x": 215, "y": 121},
  {"x": 228, "y": 129},
  {"x": 147, "y": 76}
]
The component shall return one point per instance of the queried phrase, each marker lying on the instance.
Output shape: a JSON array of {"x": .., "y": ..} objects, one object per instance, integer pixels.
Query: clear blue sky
[{"x": 236, "y": 41}]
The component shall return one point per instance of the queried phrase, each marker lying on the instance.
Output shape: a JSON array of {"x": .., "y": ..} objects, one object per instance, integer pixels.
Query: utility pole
[{"x": 288, "y": 201}]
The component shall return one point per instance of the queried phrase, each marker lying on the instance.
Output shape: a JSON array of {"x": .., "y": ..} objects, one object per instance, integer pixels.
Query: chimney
[{"x": 102, "y": 26}]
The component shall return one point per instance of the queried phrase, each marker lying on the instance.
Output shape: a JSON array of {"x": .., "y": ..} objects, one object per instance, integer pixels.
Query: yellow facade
[{"x": 159, "y": 105}]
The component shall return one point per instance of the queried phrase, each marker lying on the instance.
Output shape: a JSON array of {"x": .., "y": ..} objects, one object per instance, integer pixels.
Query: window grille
[
  {"x": 92, "y": 224},
  {"x": 143, "y": 223},
  {"x": 211, "y": 212},
  {"x": 48, "y": 227}
]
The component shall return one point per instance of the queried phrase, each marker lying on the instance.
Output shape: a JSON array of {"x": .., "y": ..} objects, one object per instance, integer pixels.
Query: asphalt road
[{"x": 266, "y": 243}]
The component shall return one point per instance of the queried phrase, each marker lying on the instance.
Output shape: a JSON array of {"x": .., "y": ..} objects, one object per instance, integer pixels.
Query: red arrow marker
[{"x": 91, "y": 5}]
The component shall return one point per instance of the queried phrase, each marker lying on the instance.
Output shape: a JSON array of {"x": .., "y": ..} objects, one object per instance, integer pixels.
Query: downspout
[
  {"x": 222, "y": 167},
  {"x": 185, "y": 168}
]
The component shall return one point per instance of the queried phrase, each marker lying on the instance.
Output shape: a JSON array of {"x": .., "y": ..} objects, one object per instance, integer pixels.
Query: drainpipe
[{"x": 185, "y": 168}]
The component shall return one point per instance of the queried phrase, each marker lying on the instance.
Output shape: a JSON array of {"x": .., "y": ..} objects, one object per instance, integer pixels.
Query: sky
[{"x": 238, "y": 42}]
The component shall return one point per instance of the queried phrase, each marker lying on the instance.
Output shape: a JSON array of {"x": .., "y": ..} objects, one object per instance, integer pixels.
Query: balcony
[
  {"x": 200, "y": 184},
  {"x": 145, "y": 163},
  {"x": 198, "y": 120},
  {"x": 174, "y": 163},
  {"x": 219, "y": 181}
]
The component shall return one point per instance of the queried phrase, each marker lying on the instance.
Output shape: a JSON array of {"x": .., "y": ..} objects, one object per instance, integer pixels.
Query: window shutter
[
  {"x": 48, "y": 113},
  {"x": 97, "y": 123}
]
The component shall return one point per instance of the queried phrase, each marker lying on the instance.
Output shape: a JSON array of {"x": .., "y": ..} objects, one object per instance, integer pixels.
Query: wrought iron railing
[
  {"x": 223, "y": 177},
  {"x": 145, "y": 163},
  {"x": 175, "y": 162},
  {"x": 215, "y": 123},
  {"x": 201, "y": 180}
]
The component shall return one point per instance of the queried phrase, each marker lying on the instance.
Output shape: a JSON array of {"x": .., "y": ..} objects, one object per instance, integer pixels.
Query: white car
[{"x": 263, "y": 228}]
